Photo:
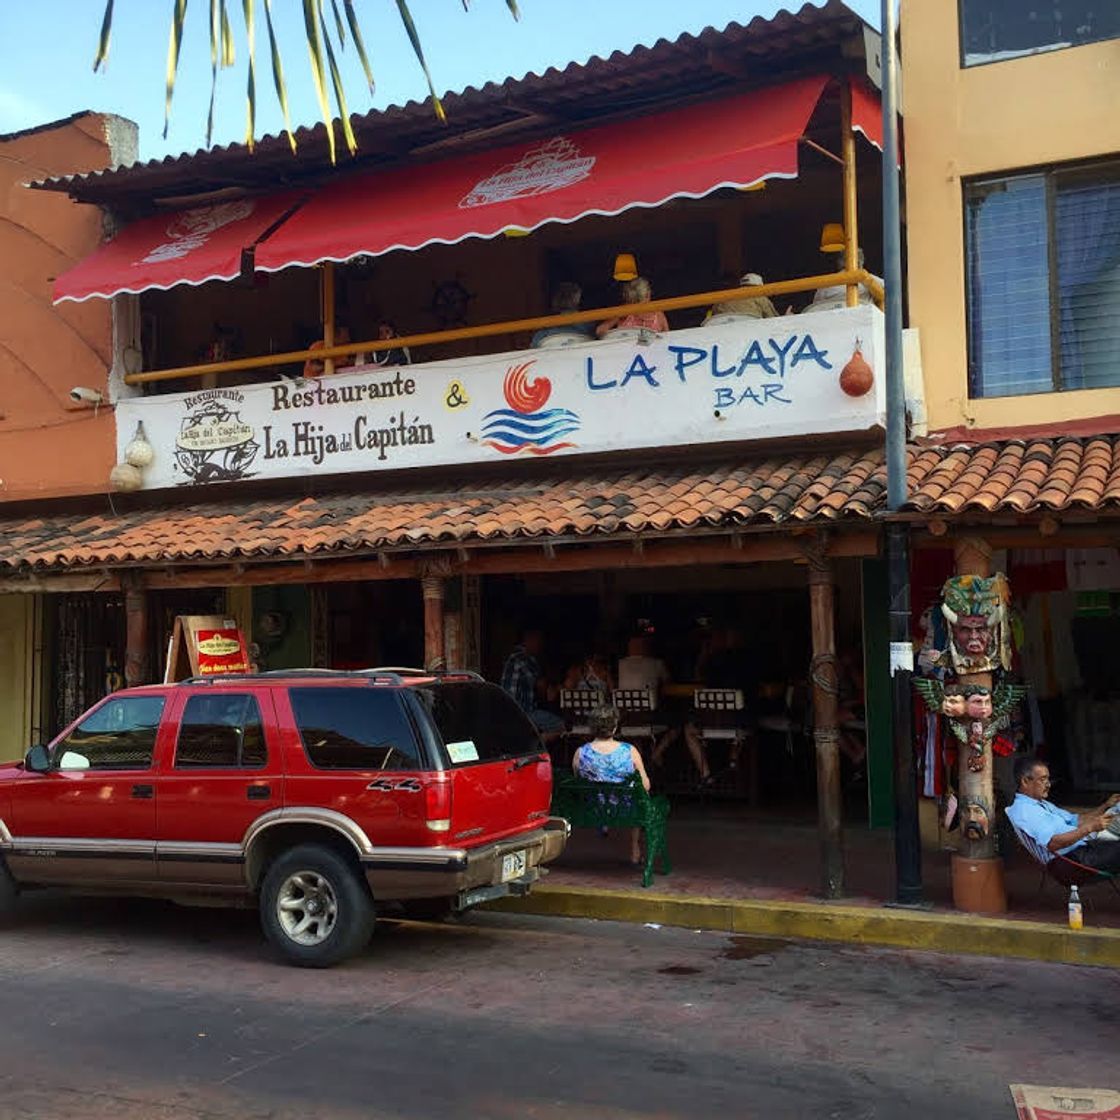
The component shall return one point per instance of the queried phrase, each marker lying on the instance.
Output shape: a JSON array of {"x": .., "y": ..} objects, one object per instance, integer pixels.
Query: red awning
[
  {"x": 867, "y": 112},
  {"x": 683, "y": 153},
  {"x": 184, "y": 247}
]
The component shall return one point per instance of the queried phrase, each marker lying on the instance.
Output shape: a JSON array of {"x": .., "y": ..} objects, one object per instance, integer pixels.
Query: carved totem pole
[{"x": 972, "y": 693}]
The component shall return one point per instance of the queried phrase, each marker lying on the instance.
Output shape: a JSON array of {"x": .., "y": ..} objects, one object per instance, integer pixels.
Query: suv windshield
[{"x": 479, "y": 722}]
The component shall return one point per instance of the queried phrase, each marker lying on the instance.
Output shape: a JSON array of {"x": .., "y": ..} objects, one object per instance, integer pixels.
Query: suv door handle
[
  {"x": 144, "y": 793},
  {"x": 258, "y": 793}
]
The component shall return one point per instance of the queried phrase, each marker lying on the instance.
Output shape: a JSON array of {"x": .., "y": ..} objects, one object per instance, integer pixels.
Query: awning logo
[
  {"x": 548, "y": 167},
  {"x": 527, "y": 426},
  {"x": 193, "y": 228}
]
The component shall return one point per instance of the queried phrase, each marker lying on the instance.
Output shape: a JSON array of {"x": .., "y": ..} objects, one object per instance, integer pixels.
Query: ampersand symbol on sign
[{"x": 456, "y": 396}]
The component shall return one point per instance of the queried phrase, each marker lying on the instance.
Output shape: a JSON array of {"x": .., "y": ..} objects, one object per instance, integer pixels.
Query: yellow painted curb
[{"x": 823, "y": 921}]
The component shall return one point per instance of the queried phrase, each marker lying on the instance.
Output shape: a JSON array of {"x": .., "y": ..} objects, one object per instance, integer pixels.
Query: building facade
[{"x": 1012, "y": 148}]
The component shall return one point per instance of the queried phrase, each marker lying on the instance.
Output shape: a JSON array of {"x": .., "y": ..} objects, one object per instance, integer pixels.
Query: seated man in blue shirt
[
  {"x": 1090, "y": 838},
  {"x": 523, "y": 680}
]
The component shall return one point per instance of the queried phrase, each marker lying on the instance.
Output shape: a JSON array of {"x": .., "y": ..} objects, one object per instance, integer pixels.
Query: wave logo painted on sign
[{"x": 527, "y": 426}]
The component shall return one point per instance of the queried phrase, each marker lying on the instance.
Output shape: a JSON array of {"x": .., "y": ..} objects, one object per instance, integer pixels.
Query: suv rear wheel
[{"x": 314, "y": 907}]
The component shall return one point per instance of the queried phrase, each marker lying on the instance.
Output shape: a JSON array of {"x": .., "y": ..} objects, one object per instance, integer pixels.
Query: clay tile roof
[{"x": 838, "y": 487}]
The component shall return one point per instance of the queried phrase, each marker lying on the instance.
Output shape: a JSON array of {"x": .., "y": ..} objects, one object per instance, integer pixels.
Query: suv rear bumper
[{"x": 469, "y": 875}]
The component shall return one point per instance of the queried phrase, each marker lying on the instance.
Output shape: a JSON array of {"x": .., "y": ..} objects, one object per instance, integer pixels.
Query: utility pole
[{"x": 907, "y": 842}]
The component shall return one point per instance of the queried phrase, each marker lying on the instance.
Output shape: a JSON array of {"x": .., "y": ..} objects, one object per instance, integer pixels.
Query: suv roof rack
[
  {"x": 438, "y": 674},
  {"x": 387, "y": 674}
]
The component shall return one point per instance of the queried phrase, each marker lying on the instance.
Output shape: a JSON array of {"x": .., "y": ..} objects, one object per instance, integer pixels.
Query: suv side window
[
  {"x": 355, "y": 729},
  {"x": 120, "y": 735},
  {"x": 221, "y": 731}
]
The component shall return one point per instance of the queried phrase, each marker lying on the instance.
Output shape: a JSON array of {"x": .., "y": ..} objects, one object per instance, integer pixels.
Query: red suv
[{"x": 320, "y": 795}]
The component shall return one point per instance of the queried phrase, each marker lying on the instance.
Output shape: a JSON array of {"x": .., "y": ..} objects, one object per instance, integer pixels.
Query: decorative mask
[
  {"x": 976, "y": 608},
  {"x": 954, "y": 703},
  {"x": 978, "y": 704},
  {"x": 974, "y": 821}
]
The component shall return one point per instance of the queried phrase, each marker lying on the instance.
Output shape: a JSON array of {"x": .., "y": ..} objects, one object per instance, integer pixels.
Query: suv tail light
[{"x": 437, "y": 805}]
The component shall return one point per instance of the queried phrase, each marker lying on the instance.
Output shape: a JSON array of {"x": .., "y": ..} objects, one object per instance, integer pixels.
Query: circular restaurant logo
[
  {"x": 548, "y": 167},
  {"x": 214, "y": 444}
]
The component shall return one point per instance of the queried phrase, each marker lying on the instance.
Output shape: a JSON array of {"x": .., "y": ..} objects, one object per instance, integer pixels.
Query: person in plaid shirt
[{"x": 522, "y": 679}]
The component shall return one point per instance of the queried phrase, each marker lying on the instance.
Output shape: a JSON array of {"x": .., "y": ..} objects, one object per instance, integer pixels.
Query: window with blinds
[
  {"x": 1043, "y": 275},
  {"x": 995, "y": 30}
]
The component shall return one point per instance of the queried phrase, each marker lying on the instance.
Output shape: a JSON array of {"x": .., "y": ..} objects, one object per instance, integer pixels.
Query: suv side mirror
[{"x": 38, "y": 759}]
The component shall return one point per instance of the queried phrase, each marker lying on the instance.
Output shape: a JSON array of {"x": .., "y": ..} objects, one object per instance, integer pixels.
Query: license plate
[{"x": 513, "y": 866}]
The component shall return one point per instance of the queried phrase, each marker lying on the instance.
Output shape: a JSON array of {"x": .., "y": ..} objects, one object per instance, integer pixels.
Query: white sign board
[{"x": 750, "y": 379}]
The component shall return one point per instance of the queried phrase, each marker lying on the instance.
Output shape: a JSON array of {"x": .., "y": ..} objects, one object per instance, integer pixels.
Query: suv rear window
[
  {"x": 479, "y": 722},
  {"x": 355, "y": 729}
]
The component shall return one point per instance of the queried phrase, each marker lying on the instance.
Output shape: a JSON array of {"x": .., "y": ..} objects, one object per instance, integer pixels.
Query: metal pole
[{"x": 907, "y": 840}]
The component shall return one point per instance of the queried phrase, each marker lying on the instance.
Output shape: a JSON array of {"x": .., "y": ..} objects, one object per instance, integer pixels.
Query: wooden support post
[
  {"x": 136, "y": 668},
  {"x": 851, "y": 210},
  {"x": 433, "y": 590},
  {"x": 826, "y": 734},
  {"x": 328, "y": 315}
]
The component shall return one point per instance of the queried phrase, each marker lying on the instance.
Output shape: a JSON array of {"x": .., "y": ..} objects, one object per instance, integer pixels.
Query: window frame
[
  {"x": 58, "y": 748},
  {"x": 238, "y": 766},
  {"x": 422, "y": 762},
  {"x": 1047, "y": 48},
  {"x": 1092, "y": 170}
]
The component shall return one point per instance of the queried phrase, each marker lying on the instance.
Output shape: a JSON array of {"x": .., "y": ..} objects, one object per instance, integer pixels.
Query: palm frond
[
  {"x": 251, "y": 88},
  {"x": 340, "y": 96},
  {"x": 418, "y": 50},
  {"x": 278, "y": 75},
  {"x": 102, "y": 56},
  {"x": 340, "y": 27},
  {"x": 318, "y": 71},
  {"x": 513, "y": 9},
  {"x": 178, "y": 15},
  {"x": 356, "y": 35}
]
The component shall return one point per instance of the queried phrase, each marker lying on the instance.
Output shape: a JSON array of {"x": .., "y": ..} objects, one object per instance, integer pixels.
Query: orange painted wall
[{"x": 48, "y": 445}]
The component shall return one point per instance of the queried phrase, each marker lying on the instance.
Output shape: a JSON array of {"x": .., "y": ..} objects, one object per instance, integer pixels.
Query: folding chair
[
  {"x": 718, "y": 724},
  {"x": 636, "y": 706},
  {"x": 1063, "y": 870},
  {"x": 576, "y": 705}
]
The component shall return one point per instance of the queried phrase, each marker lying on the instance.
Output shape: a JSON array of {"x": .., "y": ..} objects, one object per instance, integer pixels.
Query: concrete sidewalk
[{"x": 937, "y": 930}]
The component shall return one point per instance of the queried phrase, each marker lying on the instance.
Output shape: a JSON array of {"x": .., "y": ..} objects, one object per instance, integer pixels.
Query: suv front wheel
[{"x": 315, "y": 909}]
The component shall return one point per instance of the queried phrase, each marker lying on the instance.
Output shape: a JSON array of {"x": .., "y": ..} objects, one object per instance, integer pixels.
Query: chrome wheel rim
[{"x": 307, "y": 908}]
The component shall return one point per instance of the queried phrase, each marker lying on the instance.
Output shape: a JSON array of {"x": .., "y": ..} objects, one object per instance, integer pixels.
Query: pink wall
[{"x": 48, "y": 445}]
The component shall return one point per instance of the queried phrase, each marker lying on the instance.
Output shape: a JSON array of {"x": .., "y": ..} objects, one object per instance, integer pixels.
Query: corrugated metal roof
[{"x": 824, "y": 37}]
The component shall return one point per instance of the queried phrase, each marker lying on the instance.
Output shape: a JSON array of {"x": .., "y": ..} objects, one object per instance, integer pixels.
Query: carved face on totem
[
  {"x": 973, "y": 636},
  {"x": 953, "y": 705},
  {"x": 976, "y": 609},
  {"x": 974, "y": 821},
  {"x": 979, "y": 705}
]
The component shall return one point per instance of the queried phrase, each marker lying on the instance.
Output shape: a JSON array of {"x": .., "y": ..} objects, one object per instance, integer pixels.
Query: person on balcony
[
  {"x": 1088, "y": 838},
  {"x": 748, "y": 307},
  {"x": 315, "y": 367},
  {"x": 565, "y": 299},
  {"x": 397, "y": 356},
  {"x": 637, "y": 290},
  {"x": 835, "y": 298}
]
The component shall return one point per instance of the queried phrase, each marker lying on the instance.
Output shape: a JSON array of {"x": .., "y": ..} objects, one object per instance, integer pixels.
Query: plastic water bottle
[{"x": 1074, "y": 908}]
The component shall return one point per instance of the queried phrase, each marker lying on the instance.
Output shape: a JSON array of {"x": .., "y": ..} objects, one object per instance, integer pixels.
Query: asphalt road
[{"x": 135, "y": 1009}]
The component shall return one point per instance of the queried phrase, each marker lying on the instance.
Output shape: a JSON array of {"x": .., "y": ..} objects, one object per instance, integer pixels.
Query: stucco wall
[
  {"x": 49, "y": 445},
  {"x": 1061, "y": 105}
]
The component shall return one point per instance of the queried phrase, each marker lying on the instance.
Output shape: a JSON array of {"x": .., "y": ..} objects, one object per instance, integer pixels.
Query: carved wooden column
[
  {"x": 826, "y": 735},
  {"x": 434, "y": 573},
  {"x": 977, "y": 872},
  {"x": 136, "y": 669}
]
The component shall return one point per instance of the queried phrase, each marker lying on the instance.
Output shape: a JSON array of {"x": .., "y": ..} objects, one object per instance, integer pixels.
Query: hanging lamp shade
[
  {"x": 625, "y": 267},
  {"x": 832, "y": 238}
]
